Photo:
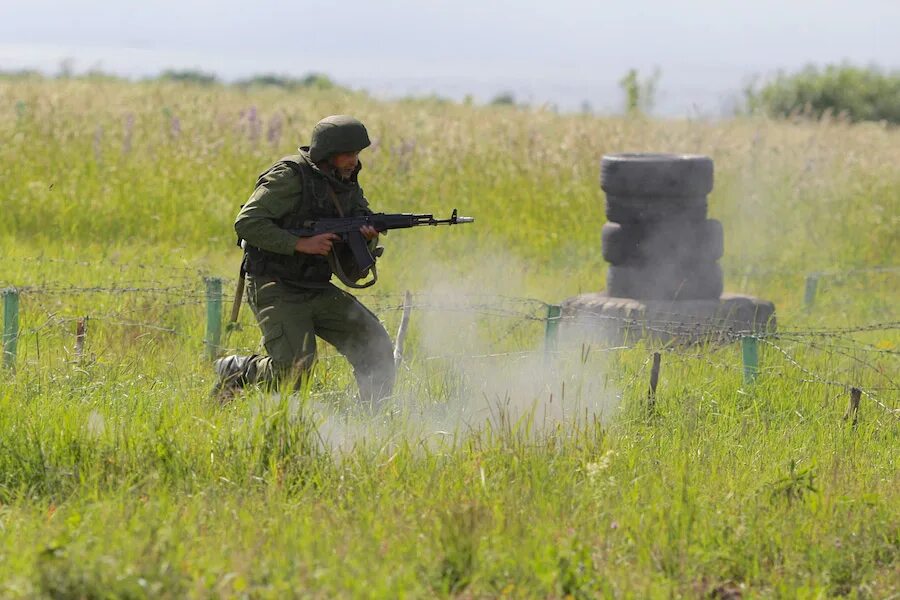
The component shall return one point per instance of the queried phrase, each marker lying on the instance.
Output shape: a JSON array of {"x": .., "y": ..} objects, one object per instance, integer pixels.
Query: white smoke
[{"x": 471, "y": 365}]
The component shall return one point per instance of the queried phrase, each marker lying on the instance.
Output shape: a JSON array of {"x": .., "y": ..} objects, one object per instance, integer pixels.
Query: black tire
[
  {"x": 703, "y": 281},
  {"x": 632, "y": 209},
  {"x": 680, "y": 242},
  {"x": 621, "y": 244},
  {"x": 657, "y": 175},
  {"x": 590, "y": 317}
]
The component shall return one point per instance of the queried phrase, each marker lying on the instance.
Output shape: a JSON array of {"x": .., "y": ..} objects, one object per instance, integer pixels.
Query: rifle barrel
[{"x": 454, "y": 219}]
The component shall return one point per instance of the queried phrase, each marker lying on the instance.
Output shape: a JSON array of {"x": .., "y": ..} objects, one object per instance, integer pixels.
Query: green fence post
[
  {"x": 10, "y": 326},
  {"x": 554, "y": 311},
  {"x": 213, "y": 315},
  {"x": 809, "y": 297},
  {"x": 750, "y": 352}
]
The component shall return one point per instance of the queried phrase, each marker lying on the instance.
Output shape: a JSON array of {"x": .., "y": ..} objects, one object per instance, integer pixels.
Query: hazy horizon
[{"x": 564, "y": 54}]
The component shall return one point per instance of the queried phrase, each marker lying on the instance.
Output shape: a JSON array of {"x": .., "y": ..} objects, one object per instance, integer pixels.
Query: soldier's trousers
[{"x": 291, "y": 318}]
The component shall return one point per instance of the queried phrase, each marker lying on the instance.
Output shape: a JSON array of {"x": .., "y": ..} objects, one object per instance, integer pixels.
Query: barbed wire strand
[{"x": 696, "y": 328}]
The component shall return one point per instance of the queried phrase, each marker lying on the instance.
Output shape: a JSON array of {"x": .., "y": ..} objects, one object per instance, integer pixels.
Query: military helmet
[{"x": 336, "y": 134}]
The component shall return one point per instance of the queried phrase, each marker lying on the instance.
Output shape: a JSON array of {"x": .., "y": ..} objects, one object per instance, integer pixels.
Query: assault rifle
[
  {"x": 351, "y": 259},
  {"x": 351, "y": 251}
]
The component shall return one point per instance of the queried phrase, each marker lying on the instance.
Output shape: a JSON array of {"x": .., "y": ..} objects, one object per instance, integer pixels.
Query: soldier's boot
[{"x": 232, "y": 375}]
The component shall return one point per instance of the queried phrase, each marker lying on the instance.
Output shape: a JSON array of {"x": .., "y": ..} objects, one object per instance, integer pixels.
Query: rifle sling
[
  {"x": 333, "y": 260},
  {"x": 334, "y": 199}
]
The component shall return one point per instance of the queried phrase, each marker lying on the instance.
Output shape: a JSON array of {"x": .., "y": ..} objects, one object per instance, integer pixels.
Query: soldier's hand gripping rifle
[{"x": 351, "y": 259}]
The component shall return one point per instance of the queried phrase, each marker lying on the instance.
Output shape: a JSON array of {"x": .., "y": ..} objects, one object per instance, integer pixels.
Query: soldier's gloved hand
[
  {"x": 318, "y": 244},
  {"x": 369, "y": 232}
]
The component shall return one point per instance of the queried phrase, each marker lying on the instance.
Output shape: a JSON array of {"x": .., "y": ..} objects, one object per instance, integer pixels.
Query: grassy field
[{"x": 494, "y": 472}]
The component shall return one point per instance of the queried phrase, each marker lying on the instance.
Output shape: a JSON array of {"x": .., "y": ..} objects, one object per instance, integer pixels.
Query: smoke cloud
[{"x": 473, "y": 363}]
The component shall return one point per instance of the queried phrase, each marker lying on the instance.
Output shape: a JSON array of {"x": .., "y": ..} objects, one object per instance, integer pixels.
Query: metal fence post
[
  {"x": 10, "y": 326},
  {"x": 213, "y": 315},
  {"x": 809, "y": 295},
  {"x": 750, "y": 353}
]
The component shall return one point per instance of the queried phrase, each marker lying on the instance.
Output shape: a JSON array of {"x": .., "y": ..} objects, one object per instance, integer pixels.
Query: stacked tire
[{"x": 658, "y": 241}]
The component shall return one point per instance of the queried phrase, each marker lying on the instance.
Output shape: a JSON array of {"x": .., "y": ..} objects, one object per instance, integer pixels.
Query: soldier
[{"x": 288, "y": 277}]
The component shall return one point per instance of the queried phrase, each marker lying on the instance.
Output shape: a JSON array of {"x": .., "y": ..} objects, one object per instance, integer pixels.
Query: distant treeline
[
  {"x": 841, "y": 91},
  {"x": 191, "y": 76},
  {"x": 837, "y": 91},
  {"x": 203, "y": 78}
]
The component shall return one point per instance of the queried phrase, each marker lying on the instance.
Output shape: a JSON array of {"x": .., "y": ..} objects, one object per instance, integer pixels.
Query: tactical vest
[{"x": 314, "y": 201}]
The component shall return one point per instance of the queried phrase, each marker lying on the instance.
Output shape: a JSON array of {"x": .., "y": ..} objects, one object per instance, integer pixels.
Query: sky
[{"x": 560, "y": 52}]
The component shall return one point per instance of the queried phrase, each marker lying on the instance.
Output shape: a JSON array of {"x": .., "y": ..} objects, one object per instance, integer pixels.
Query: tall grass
[{"x": 487, "y": 477}]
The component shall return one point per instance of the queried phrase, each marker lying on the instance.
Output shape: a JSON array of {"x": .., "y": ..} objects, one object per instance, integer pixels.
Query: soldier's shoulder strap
[{"x": 294, "y": 162}]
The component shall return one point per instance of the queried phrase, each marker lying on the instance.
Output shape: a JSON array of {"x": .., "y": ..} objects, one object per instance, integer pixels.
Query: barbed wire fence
[{"x": 50, "y": 305}]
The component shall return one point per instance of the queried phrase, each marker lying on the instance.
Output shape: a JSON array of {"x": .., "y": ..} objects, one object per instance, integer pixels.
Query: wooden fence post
[
  {"x": 213, "y": 315},
  {"x": 654, "y": 381},
  {"x": 853, "y": 407},
  {"x": 554, "y": 312},
  {"x": 401, "y": 331},
  {"x": 80, "y": 335}
]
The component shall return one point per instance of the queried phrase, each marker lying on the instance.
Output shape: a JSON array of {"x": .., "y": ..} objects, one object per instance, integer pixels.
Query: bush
[
  {"x": 267, "y": 80},
  {"x": 189, "y": 76},
  {"x": 504, "y": 99},
  {"x": 855, "y": 93},
  {"x": 311, "y": 80}
]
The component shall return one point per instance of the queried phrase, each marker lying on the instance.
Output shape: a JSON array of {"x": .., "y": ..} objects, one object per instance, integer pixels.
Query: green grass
[{"x": 500, "y": 476}]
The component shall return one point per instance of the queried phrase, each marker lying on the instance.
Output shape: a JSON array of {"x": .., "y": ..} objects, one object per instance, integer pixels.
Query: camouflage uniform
[{"x": 290, "y": 293}]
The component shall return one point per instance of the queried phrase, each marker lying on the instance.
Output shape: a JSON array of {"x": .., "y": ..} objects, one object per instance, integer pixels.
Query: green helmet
[{"x": 335, "y": 134}]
